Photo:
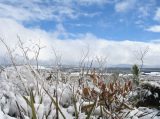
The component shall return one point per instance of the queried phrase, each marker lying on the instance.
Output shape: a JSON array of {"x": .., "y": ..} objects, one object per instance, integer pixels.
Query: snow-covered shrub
[{"x": 150, "y": 94}]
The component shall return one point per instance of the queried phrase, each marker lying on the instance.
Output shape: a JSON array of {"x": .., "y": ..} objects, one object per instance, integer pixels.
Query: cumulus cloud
[
  {"x": 118, "y": 52},
  {"x": 155, "y": 28}
]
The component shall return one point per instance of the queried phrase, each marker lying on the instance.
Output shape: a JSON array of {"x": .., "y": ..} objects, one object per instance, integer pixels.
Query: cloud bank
[{"x": 117, "y": 52}]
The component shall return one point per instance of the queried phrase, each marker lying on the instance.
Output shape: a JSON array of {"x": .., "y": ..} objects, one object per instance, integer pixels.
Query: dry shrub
[{"x": 112, "y": 97}]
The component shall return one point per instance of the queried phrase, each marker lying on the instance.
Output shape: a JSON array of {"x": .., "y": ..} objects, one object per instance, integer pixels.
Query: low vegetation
[{"x": 33, "y": 92}]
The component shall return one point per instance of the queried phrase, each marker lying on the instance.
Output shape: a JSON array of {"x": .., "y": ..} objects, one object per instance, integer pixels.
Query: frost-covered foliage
[
  {"x": 149, "y": 94},
  {"x": 32, "y": 96}
]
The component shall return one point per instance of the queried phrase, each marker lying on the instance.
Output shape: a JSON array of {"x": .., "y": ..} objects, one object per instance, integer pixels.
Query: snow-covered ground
[
  {"x": 153, "y": 73},
  {"x": 24, "y": 91}
]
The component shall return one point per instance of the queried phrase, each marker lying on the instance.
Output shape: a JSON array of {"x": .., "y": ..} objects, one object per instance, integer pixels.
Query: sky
[{"x": 116, "y": 30}]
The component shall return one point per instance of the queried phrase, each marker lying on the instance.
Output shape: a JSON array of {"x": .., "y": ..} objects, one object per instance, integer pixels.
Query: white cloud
[
  {"x": 23, "y": 14},
  {"x": 157, "y": 15},
  {"x": 26, "y": 10},
  {"x": 124, "y": 5},
  {"x": 145, "y": 9},
  {"x": 90, "y": 2},
  {"x": 80, "y": 25},
  {"x": 36, "y": 10},
  {"x": 155, "y": 28},
  {"x": 118, "y": 52}
]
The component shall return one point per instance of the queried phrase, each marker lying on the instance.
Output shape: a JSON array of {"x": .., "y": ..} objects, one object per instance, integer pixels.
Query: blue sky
[
  {"x": 111, "y": 28},
  {"x": 116, "y": 20}
]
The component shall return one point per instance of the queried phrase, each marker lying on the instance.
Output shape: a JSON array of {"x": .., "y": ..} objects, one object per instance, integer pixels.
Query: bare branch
[{"x": 140, "y": 55}]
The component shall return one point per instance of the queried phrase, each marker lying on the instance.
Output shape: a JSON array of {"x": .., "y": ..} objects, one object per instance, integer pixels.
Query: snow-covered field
[{"x": 28, "y": 94}]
